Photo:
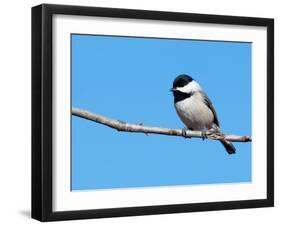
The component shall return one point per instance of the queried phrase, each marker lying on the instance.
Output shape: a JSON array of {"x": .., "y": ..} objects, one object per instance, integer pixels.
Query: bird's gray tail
[{"x": 229, "y": 147}]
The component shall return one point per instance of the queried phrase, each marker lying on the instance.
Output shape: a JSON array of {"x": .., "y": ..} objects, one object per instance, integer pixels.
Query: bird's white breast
[{"x": 194, "y": 113}]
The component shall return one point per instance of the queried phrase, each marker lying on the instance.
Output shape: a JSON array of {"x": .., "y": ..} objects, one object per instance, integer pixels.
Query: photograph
[{"x": 196, "y": 85}]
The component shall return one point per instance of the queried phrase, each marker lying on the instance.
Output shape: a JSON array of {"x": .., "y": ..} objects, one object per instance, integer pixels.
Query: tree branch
[{"x": 139, "y": 128}]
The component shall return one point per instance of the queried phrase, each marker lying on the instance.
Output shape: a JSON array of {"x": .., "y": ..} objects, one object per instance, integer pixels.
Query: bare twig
[{"x": 140, "y": 128}]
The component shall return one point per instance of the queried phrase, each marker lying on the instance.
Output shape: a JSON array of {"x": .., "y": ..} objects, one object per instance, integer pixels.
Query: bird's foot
[
  {"x": 184, "y": 133},
  {"x": 204, "y": 134},
  {"x": 212, "y": 133}
]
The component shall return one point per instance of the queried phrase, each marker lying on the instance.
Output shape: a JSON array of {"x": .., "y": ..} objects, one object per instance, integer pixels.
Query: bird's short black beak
[{"x": 173, "y": 89}]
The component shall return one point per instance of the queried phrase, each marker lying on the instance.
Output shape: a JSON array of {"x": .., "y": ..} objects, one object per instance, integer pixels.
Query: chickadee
[{"x": 195, "y": 108}]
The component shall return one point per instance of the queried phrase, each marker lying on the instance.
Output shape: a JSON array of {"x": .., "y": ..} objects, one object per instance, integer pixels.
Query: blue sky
[{"x": 129, "y": 79}]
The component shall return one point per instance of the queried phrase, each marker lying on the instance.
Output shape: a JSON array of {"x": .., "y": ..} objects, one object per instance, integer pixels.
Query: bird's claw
[
  {"x": 184, "y": 133},
  {"x": 204, "y": 134}
]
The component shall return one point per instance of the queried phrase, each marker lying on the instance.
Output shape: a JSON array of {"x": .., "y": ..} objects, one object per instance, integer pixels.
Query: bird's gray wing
[{"x": 211, "y": 106}]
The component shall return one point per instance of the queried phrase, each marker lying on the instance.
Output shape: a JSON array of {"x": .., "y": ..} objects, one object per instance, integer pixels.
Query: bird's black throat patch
[{"x": 179, "y": 96}]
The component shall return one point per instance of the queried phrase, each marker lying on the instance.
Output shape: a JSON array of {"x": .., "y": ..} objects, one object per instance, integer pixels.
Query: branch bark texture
[{"x": 139, "y": 128}]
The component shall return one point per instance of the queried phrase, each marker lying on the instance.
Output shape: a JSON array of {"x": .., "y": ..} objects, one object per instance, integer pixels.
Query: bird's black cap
[{"x": 182, "y": 80}]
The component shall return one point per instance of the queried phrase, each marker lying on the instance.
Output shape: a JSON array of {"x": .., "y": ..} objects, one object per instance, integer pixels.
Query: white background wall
[{"x": 15, "y": 118}]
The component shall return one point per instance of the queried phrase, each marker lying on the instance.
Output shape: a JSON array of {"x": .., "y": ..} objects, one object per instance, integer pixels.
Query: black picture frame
[{"x": 42, "y": 111}]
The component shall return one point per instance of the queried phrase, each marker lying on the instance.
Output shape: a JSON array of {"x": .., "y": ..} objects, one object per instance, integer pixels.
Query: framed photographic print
[{"x": 145, "y": 112}]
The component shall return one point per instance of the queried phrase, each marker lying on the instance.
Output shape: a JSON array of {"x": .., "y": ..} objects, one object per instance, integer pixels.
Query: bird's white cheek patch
[{"x": 190, "y": 87}]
